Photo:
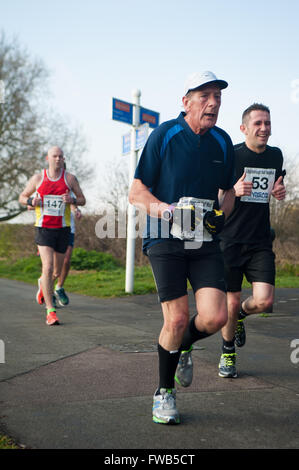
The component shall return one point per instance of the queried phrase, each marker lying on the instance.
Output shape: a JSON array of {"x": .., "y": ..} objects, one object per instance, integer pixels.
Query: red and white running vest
[{"x": 53, "y": 212}]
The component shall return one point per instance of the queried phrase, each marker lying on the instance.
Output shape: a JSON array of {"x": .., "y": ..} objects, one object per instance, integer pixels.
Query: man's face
[
  {"x": 257, "y": 129},
  {"x": 55, "y": 158},
  {"x": 202, "y": 107}
]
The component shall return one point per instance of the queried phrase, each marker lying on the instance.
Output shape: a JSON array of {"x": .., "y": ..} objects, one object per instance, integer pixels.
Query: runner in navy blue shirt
[{"x": 185, "y": 169}]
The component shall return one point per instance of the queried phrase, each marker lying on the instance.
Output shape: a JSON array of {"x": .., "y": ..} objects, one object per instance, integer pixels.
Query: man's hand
[
  {"x": 67, "y": 198},
  {"x": 243, "y": 188},
  {"x": 35, "y": 201},
  {"x": 279, "y": 190},
  {"x": 214, "y": 221}
]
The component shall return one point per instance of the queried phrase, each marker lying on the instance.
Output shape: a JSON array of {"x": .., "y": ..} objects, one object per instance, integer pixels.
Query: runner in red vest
[{"x": 52, "y": 200}]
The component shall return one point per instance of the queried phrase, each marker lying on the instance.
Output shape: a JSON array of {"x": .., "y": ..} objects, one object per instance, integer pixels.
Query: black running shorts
[
  {"x": 256, "y": 262},
  {"x": 56, "y": 238},
  {"x": 173, "y": 265}
]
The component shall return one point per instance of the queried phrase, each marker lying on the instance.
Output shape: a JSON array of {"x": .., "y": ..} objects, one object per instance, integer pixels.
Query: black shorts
[
  {"x": 256, "y": 262},
  {"x": 56, "y": 238},
  {"x": 173, "y": 265}
]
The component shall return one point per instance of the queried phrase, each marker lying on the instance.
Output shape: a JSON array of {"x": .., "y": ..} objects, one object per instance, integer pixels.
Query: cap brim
[{"x": 221, "y": 83}]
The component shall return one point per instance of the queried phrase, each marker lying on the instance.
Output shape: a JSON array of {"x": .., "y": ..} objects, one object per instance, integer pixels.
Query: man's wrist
[
  {"x": 168, "y": 213},
  {"x": 29, "y": 201},
  {"x": 74, "y": 202}
]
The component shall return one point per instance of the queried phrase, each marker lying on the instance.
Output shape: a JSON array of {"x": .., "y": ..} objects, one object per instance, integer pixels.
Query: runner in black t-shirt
[{"x": 246, "y": 238}]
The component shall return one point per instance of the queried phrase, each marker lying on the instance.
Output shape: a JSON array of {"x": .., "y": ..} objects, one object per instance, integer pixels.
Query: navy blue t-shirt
[{"x": 176, "y": 163}]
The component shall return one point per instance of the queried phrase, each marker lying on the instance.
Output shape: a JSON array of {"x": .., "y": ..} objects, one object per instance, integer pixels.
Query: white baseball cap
[{"x": 199, "y": 79}]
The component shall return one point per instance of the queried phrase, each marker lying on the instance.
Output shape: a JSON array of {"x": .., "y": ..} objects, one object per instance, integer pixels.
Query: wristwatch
[{"x": 168, "y": 213}]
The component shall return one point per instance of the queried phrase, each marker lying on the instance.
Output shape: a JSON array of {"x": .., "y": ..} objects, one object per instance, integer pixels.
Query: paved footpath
[{"x": 88, "y": 383}]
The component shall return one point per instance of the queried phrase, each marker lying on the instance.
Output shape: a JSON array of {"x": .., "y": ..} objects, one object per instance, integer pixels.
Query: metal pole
[{"x": 131, "y": 235}]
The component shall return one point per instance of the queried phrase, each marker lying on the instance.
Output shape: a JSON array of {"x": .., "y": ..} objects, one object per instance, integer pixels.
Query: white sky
[{"x": 97, "y": 49}]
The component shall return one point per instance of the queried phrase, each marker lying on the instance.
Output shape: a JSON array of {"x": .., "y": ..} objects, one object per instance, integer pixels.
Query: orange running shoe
[
  {"x": 52, "y": 318},
  {"x": 39, "y": 295}
]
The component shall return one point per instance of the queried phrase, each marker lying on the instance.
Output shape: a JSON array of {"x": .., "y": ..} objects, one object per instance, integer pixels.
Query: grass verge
[{"x": 110, "y": 282}]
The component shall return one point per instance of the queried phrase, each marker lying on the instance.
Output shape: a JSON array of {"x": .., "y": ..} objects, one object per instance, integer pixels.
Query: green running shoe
[
  {"x": 164, "y": 407},
  {"x": 62, "y": 297},
  {"x": 227, "y": 365},
  {"x": 184, "y": 372},
  {"x": 240, "y": 333}
]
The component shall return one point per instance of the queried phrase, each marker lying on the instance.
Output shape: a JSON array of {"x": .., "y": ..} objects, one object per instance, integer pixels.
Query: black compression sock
[
  {"x": 228, "y": 347},
  {"x": 168, "y": 361},
  {"x": 242, "y": 314},
  {"x": 192, "y": 334}
]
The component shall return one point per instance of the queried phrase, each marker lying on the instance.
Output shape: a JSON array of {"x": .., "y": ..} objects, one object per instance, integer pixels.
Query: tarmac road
[{"x": 88, "y": 383}]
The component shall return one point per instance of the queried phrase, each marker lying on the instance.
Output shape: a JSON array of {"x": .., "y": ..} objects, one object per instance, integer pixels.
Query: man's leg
[
  {"x": 65, "y": 267},
  {"x": 176, "y": 317},
  {"x": 233, "y": 307},
  {"x": 61, "y": 275},
  {"x": 169, "y": 270},
  {"x": 227, "y": 365},
  {"x": 211, "y": 316},
  {"x": 58, "y": 264},
  {"x": 47, "y": 259},
  {"x": 260, "y": 271},
  {"x": 175, "y": 313},
  {"x": 262, "y": 298}
]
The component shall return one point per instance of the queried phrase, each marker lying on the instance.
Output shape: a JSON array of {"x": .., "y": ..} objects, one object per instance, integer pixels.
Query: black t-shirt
[{"x": 249, "y": 221}]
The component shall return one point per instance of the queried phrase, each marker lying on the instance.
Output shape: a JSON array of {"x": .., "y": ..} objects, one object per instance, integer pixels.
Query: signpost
[
  {"x": 140, "y": 139},
  {"x": 140, "y": 120}
]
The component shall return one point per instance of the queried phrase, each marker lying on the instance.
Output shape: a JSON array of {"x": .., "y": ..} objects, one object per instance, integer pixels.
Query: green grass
[
  {"x": 109, "y": 279},
  {"x": 102, "y": 283}
]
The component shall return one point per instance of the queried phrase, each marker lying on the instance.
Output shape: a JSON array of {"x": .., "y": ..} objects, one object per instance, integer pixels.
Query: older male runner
[{"x": 184, "y": 164}]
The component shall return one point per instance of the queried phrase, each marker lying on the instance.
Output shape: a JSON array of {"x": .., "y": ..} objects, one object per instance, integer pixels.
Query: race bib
[
  {"x": 262, "y": 184},
  {"x": 194, "y": 238},
  {"x": 54, "y": 205}
]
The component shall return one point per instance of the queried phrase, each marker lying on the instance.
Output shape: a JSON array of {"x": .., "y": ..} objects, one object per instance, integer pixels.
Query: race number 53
[{"x": 262, "y": 180}]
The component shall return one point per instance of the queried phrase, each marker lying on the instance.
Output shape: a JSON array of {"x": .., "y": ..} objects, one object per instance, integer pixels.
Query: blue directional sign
[
  {"x": 122, "y": 111},
  {"x": 141, "y": 135},
  {"x": 126, "y": 143},
  {"x": 149, "y": 116}
]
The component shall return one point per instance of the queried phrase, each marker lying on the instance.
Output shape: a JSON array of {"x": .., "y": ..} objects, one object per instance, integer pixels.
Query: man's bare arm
[
  {"x": 141, "y": 197},
  {"x": 226, "y": 200},
  {"x": 75, "y": 187},
  {"x": 30, "y": 188}
]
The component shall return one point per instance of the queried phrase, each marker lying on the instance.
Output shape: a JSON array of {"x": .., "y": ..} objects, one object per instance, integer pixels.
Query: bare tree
[
  {"x": 284, "y": 214},
  {"x": 114, "y": 185},
  {"x": 26, "y": 128}
]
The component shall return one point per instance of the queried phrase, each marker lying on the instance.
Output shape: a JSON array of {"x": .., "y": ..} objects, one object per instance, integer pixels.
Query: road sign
[
  {"x": 135, "y": 115},
  {"x": 141, "y": 135},
  {"x": 126, "y": 143},
  {"x": 149, "y": 116},
  {"x": 122, "y": 111}
]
